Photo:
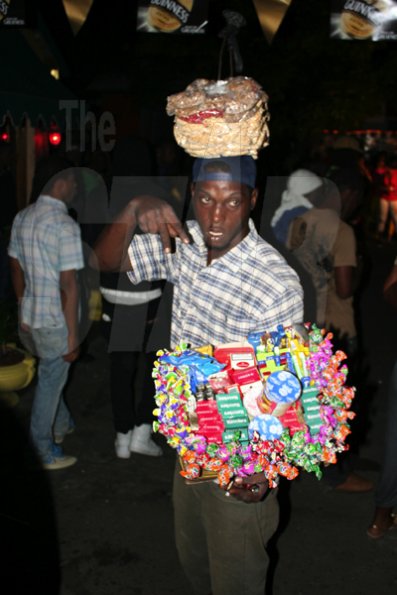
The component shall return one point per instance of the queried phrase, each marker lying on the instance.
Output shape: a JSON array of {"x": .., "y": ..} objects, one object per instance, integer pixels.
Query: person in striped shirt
[
  {"x": 227, "y": 281},
  {"x": 45, "y": 253}
]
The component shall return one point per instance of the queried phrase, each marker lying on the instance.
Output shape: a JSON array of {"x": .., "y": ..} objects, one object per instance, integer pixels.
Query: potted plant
[{"x": 17, "y": 367}]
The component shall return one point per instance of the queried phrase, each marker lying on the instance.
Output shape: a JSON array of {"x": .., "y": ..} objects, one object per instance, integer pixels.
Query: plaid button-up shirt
[
  {"x": 45, "y": 240},
  {"x": 250, "y": 288}
]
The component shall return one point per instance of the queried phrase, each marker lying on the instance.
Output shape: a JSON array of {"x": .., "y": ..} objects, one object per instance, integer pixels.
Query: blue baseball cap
[{"x": 241, "y": 168}]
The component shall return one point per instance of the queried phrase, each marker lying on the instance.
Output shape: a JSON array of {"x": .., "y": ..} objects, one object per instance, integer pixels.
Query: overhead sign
[
  {"x": 172, "y": 16},
  {"x": 77, "y": 12},
  {"x": 271, "y": 14},
  {"x": 363, "y": 20},
  {"x": 13, "y": 13},
  {"x": 4, "y": 8}
]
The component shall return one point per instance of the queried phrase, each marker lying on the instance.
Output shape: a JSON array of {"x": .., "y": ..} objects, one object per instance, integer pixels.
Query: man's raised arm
[{"x": 151, "y": 215}]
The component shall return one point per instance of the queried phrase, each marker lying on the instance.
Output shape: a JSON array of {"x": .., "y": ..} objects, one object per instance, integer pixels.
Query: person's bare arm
[
  {"x": 390, "y": 288},
  {"x": 344, "y": 281},
  {"x": 151, "y": 215},
  {"x": 17, "y": 278},
  {"x": 70, "y": 301},
  {"x": 296, "y": 233},
  {"x": 18, "y": 283}
]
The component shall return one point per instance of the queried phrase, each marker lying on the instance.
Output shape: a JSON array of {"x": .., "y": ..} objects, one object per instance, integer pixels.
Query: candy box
[
  {"x": 225, "y": 420},
  {"x": 230, "y": 353}
]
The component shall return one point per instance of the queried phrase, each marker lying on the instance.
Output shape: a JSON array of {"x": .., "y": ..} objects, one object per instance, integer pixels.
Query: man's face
[{"x": 222, "y": 210}]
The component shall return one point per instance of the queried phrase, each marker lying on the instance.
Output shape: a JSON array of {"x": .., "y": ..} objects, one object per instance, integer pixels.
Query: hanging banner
[
  {"x": 271, "y": 14},
  {"x": 77, "y": 12},
  {"x": 172, "y": 16},
  {"x": 13, "y": 13},
  {"x": 363, "y": 20}
]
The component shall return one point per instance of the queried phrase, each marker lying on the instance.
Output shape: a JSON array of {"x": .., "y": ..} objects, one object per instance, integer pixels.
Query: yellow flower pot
[{"x": 14, "y": 377}]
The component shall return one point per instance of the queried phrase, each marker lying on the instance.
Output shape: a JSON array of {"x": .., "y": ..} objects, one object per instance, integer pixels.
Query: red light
[
  {"x": 55, "y": 138},
  {"x": 5, "y": 137}
]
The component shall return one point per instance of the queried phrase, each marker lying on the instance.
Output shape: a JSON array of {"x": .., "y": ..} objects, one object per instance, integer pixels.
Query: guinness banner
[
  {"x": 77, "y": 13},
  {"x": 271, "y": 14},
  {"x": 172, "y": 16},
  {"x": 13, "y": 13},
  {"x": 373, "y": 20}
]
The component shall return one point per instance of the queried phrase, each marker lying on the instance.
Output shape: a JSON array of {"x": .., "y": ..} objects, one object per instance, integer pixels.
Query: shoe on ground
[
  {"x": 142, "y": 443},
  {"x": 355, "y": 484},
  {"x": 122, "y": 445},
  {"x": 57, "y": 451},
  {"x": 383, "y": 520},
  {"x": 59, "y": 438},
  {"x": 57, "y": 459}
]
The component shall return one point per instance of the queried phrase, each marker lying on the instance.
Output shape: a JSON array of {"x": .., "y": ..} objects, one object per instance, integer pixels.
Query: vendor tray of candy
[{"x": 274, "y": 404}]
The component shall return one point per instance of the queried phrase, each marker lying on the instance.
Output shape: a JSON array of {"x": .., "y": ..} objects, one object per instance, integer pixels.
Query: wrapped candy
[
  {"x": 267, "y": 426},
  {"x": 302, "y": 378},
  {"x": 191, "y": 471}
]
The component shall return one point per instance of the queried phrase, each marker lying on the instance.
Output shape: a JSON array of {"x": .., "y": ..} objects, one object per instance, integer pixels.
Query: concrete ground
[{"x": 106, "y": 523}]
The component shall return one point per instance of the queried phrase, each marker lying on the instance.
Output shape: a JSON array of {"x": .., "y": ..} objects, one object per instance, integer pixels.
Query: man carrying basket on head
[{"x": 228, "y": 281}]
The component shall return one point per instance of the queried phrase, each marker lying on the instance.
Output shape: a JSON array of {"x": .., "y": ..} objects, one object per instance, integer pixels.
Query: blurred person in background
[
  {"x": 379, "y": 176},
  {"x": 135, "y": 319},
  {"x": 324, "y": 244},
  {"x": 384, "y": 517},
  {"x": 388, "y": 199},
  {"x": 45, "y": 253}
]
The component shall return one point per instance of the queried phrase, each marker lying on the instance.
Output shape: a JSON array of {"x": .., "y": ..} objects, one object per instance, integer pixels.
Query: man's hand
[
  {"x": 151, "y": 215},
  {"x": 69, "y": 299},
  {"x": 72, "y": 355},
  {"x": 154, "y": 215},
  {"x": 73, "y": 349},
  {"x": 249, "y": 489}
]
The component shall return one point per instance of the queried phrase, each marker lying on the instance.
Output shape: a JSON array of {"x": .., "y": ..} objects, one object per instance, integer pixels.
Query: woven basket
[
  {"x": 216, "y": 138},
  {"x": 220, "y": 118}
]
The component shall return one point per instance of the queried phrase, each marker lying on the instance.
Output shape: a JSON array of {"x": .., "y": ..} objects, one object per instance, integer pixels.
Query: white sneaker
[
  {"x": 142, "y": 443},
  {"x": 122, "y": 445}
]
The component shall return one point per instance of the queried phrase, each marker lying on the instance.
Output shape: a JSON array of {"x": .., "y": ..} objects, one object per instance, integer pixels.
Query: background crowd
[{"x": 334, "y": 205}]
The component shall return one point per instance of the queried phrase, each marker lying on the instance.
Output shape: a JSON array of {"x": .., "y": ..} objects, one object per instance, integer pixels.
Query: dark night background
[
  {"x": 105, "y": 526},
  {"x": 314, "y": 82}
]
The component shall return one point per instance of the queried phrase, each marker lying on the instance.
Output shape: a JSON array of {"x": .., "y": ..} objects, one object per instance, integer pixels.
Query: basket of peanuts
[{"x": 214, "y": 118}]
